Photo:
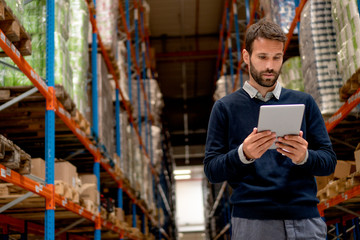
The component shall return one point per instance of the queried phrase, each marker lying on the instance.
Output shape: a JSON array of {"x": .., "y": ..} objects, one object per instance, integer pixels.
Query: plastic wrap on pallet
[
  {"x": 223, "y": 89},
  {"x": 17, "y": 7},
  {"x": 107, "y": 13},
  {"x": 156, "y": 100},
  {"x": 121, "y": 62},
  {"x": 318, "y": 55},
  {"x": 63, "y": 69},
  {"x": 34, "y": 19},
  {"x": 291, "y": 74},
  {"x": 62, "y": 17},
  {"x": 157, "y": 151},
  {"x": 79, "y": 51},
  {"x": 283, "y": 12},
  {"x": 124, "y": 136},
  {"x": 346, "y": 19},
  {"x": 106, "y": 116}
]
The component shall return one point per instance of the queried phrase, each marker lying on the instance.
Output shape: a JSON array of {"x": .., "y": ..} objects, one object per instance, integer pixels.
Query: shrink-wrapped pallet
[
  {"x": 79, "y": 51},
  {"x": 291, "y": 74},
  {"x": 107, "y": 13},
  {"x": 282, "y": 12},
  {"x": 34, "y": 20},
  {"x": 318, "y": 55},
  {"x": 124, "y": 143},
  {"x": 224, "y": 85},
  {"x": 121, "y": 62},
  {"x": 106, "y": 112},
  {"x": 154, "y": 99},
  {"x": 346, "y": 20}
]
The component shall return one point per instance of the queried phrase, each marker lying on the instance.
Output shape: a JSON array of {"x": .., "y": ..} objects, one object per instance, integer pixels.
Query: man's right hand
[{"x": 257, "y": 143}]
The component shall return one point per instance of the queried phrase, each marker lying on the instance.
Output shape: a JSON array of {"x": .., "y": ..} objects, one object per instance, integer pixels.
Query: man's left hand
[{"x": 294, "y": 147}]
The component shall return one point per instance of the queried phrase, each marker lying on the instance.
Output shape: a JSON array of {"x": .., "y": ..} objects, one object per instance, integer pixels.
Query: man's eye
[{"x": 262, "y": 57}]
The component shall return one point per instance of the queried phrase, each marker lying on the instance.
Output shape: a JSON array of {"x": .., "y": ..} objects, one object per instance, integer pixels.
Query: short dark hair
[{"x": 263, "y": 29}]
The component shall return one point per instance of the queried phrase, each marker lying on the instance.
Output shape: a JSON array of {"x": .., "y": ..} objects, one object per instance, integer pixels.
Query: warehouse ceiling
[{"x": 185, "y": 35}]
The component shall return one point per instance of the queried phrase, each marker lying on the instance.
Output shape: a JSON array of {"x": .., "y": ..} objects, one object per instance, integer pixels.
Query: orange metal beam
[
  {"x": 133, "y": 54},
  {"x": 15, "y": 178},
  {"x": 355, "y": 191},
  {"x": 126, "y": 105},
  {"x": 294, "y": 23},
  {"x": 23, "y": 65},
  {"x": 343, "y": 111}
]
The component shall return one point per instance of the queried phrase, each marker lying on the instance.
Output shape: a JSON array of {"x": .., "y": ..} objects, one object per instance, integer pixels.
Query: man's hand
[
  {"x": 294, "y": 147},
  {"x": 257, "y": 143}
]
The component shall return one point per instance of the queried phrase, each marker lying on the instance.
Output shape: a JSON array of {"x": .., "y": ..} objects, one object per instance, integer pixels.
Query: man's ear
[{"x": 246, "y": 56}]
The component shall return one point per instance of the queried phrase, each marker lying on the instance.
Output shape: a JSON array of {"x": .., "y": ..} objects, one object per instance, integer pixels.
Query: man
[{"x": 274, "y": 190}]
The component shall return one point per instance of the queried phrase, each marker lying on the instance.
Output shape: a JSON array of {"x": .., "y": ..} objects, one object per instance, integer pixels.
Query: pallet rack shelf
[{"x": 54, "y": 106}]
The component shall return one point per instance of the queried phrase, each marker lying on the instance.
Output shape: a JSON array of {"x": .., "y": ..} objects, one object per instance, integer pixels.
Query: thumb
[
  {"x": 254, "y": 131},
  {"x": 301, "y": 133}
]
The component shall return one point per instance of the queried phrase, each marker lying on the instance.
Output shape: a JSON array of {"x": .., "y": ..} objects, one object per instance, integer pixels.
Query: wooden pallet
[
  {"x": 14, "y": 157},
  {"x": 8, "y": 93},
  {"x": 14, "y": 31},
  {"x": 10, "y": 192}
]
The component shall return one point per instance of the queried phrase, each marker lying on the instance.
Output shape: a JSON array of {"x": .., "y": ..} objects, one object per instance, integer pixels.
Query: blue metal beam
[{"x": 50, "y": 115}]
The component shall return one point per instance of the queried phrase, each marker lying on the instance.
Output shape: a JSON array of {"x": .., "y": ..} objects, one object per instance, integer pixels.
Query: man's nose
[{"x": 269, "y": 65}]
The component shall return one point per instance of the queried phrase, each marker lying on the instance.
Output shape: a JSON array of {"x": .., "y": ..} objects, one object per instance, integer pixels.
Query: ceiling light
[
  {"x": 182, "y": 172},
  {"x": 182, "y": 177}
]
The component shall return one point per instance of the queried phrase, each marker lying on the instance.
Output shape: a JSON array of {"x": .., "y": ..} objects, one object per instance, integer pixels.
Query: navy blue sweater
[{"x": 272, "y": 187}]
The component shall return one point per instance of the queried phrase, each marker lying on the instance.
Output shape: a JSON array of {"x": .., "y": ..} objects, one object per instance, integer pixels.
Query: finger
[
  {"x": 285, "y": 153},
  {"x": 301, "y": 134},
  {"x": 291, "y": 139}
]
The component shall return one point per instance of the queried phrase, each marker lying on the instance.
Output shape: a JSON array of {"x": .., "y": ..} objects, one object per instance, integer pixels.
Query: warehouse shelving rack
[
  {"x": 331, "y": 123},
  {"x": 54, "y": 106}
]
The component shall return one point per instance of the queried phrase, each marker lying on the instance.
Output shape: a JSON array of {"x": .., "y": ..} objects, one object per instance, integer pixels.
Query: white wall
[{"x": 189, "y": 205}]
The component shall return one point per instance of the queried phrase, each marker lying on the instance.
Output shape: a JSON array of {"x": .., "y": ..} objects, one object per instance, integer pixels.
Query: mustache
[{"x": 269, "y": 71}]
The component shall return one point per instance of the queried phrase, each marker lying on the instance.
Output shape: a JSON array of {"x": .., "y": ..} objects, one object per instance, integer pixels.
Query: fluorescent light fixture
[
  {"x": 182, "y": 172},
  {"x": 182, "y": 177}
]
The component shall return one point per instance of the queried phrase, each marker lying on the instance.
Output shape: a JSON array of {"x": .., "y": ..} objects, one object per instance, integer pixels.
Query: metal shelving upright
[{"x": 54, "y": 106}]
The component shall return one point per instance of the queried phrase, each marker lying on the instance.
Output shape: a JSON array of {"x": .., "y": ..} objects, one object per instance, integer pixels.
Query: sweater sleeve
[
  {"x": 322, "y": 158},
  {"x": 220, "y": 163}
]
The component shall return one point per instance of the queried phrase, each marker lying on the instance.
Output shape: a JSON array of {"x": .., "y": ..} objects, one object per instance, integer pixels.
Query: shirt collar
[{"x": 254, "y": 93}]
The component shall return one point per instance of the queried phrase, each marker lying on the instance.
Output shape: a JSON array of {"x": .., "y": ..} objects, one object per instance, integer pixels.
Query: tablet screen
[{"x": 281, "y": 119}]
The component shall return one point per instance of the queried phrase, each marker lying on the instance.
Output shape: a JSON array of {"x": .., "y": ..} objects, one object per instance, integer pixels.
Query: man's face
[{"x": 265, "y": 61}]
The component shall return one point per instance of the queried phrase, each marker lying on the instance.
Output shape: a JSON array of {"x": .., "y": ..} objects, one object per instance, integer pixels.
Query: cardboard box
[
  {"x": 322, "y": 181},
  {"x": 38, "y": 168},
  {"x": 357, "y": 157},
  {"x": 89, "y": 192},
  {"x": 344, "y": 169},
  {"x": 88, "y": 178},
  {"x": 66, "y": 172}
]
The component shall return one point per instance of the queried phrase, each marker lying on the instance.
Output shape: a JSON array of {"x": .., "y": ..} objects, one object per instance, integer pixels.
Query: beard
[{"x": 264, "y": 81}]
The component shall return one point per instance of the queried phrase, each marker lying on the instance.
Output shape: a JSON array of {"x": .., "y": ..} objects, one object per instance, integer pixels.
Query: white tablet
[{"x": 281, "y": 119}]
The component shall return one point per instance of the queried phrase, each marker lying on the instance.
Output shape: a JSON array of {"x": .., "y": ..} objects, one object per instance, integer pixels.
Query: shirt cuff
[
  {"x": 305, "y": 159},
  {"x": 242, "y": 157}
]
